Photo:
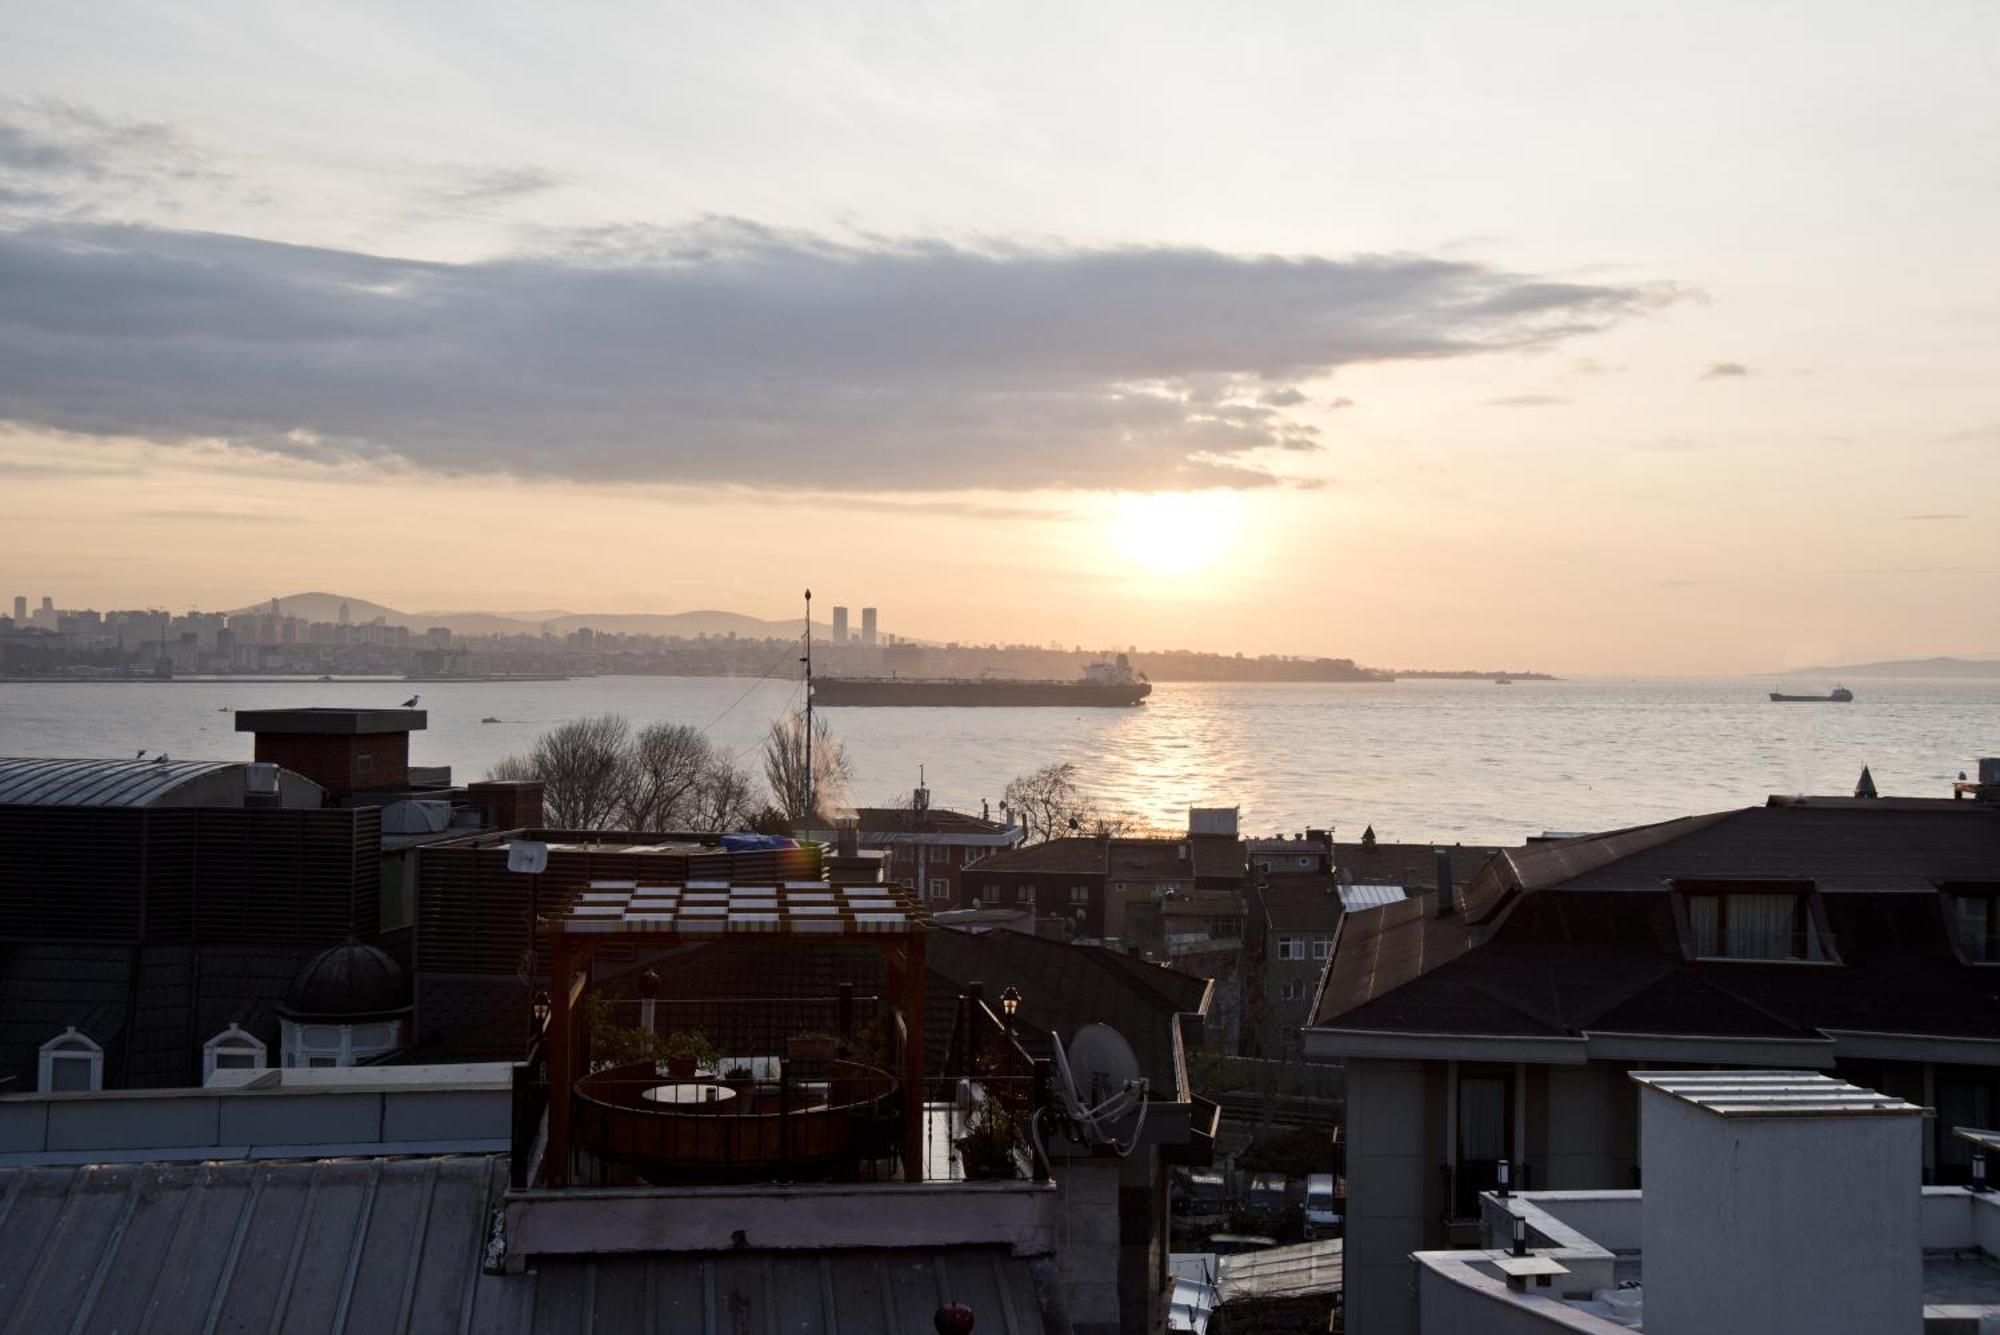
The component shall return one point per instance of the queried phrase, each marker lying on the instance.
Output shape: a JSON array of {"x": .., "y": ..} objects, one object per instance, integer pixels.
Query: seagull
[
  {"x": 141, "y": 755},
  {"x": 160, "y": 759},
  {"x": 411, "y": 703}
]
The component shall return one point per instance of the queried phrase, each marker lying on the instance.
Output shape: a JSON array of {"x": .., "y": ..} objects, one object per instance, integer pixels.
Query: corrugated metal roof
[
  {"x": 390, "y": 1246},
  {"x": 98, "y": 783},
  {"x": 1283, "y": 1272}
]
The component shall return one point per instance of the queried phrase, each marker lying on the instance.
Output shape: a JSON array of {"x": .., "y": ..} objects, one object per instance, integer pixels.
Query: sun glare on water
[{"x": 1175, "y": 532}]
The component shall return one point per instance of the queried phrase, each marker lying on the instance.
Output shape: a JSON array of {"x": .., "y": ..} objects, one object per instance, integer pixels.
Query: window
[
  {"x": 1322, "y": 947},
  {"x": 1026, "y": 894},
  {"x": 1291, "y": 947},
  {"x": 940, "y": 887},
  {"x": 1291, "y": 991},
  {"x": 989, "y": 895},
  {"x": 71, "y": 1063},
  {"x": 1979, "y": 924},
  {"x": 364, "y": 763},
  {"x": 339, "y": 1044},
  {"x": 1753, "y": 926},
  {"x": 1263, "y": 864},
  {"x": 234, "y": 1049},
  {"x": 1079, "y": 894}
]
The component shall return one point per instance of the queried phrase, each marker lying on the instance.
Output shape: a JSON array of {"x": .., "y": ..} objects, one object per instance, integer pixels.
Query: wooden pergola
[{"x": 794, "y": 915}]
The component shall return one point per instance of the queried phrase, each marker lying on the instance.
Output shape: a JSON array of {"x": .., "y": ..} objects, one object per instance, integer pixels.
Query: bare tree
[
  {"x": 585, "y": 768},
  {"x": 670, "y": 765},
  {"x": 785, "y": 768},
  {"x": 1050, "y": 804}
]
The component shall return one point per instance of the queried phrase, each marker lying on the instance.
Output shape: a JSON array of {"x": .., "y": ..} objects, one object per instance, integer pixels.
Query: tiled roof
[
  {"x": 99, "y": 783},
  {"x": 394, "y": 1247},
  {"x": 1578, "y": 935},
  {"x": 1300, "y": 900},
  {"x": 1073, "y": 855},
  {"x": 1413, "y": 866},
  {"x": 935, "y": 820}
]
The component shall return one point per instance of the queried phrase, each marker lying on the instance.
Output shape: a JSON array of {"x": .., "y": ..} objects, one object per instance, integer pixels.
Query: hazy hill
[
  {"x": 1959, "y": 668},
  {"x": 688, "y": 625}
]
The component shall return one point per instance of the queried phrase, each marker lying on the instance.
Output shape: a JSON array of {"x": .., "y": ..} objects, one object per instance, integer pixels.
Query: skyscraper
[
  {"x": 20, "y": 610},
  {"x": 868, "y": 625},
  {"x": 840, "y": 625}
]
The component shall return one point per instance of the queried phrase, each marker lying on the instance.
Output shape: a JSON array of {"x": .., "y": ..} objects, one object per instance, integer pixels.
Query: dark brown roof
[
  {"x": 1077, "y": 855},
  {"x": 1412, "y": 866},
  {"x": 936, "y": 820},
  {"x": 1300, "y": 901},
  {"x": 1557, "y": 938}
]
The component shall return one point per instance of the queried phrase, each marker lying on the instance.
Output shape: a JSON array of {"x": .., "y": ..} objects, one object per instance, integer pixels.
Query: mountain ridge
[
  {"x": 1942, "y": 666},
  {"x": 321, "y": 606}
]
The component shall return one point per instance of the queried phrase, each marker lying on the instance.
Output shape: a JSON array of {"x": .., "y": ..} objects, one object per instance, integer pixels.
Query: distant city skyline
[{"x": 1616, "y": 341}]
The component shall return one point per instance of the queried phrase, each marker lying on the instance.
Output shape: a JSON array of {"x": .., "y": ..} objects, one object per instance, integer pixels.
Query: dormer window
[
  {"x": 71, "y": 1063},
  {"x": 234, "y": 1049},
  {"x": 1760, "y": 923},
  {"x": 1977, "y": 918}
]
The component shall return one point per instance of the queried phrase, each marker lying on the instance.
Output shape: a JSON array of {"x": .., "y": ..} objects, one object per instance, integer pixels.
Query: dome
[{"x": 347, "y": 982}]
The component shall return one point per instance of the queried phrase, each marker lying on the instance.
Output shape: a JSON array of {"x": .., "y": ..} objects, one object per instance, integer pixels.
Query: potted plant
[
  {"x": 738, "y": 1076},
  {"x": 686, "y": 1051},
  {"x": 988, "y": 1148}
]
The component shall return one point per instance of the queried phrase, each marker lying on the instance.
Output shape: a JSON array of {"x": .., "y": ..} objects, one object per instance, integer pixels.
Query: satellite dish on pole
[
  {"x": 1098, "y": 1086},
  {"x": 528, "y": 856}
]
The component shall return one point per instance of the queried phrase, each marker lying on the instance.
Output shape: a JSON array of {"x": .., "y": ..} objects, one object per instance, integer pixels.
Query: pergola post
[
  {"x": 562, "y": 1059},
  {"x": 913, "y": 989}
]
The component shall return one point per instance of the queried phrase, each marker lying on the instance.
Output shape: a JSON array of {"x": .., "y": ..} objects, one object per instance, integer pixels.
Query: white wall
[{"x": 1780, "y": 1225}]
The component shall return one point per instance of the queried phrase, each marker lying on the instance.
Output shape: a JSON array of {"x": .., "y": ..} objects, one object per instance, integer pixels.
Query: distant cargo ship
[
  {"x": 1839, "y": 695},
  {"x": 1102, "y": 685}
]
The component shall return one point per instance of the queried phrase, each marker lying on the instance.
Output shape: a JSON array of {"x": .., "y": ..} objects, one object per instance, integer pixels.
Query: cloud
[
  {"x": 26, "y": 470},
  {"x": 1342, "y": 402},
  {"x": 477, "y": 187},
  {"x": 729, "y": 352},
  {"x": 1528, "y": 401},
  {"x": 1923, "y": 518},
  {"x": 1288, "y": 397},
  {"x": 56, "y": 155},
  {"x": 1724, "y": 370},
  {"x": 212, "y": 516}
]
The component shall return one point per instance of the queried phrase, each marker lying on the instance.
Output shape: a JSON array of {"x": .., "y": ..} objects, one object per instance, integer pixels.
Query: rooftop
[
  {"x": 1558, "y": 939},
  {"x": 396, "y": 1246},
  {"x": 120, "y": 783},
  {"x": 1773, "y": 1094},
  {"x": 330, "y": 721}
]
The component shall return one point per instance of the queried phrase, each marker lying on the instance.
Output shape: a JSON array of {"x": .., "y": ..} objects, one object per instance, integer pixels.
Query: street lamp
[
  {"x": 1010, "y": 1003},
  {"x": 539, "y": 1006}
]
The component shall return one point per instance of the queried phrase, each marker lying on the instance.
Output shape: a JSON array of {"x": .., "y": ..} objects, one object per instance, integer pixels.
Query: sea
[{"x": 1419, "y": 760}]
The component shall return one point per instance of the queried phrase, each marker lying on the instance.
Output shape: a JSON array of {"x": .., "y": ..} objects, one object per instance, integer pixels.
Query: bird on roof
[
  {"x": 160, "y": 759},
  {"x": 142, "y": 756},
  {"x": 411, "y": 703}
]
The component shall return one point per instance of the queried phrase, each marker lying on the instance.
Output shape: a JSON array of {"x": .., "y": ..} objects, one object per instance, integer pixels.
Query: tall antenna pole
[{"x": 808, "y": 660}]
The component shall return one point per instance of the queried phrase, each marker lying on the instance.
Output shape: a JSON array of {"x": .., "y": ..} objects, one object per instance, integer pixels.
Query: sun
[{"x": 1175, "y": 532}]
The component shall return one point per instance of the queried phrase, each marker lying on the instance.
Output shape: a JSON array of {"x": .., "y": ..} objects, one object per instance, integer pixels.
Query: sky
[{"x": 1589, "y": 338}]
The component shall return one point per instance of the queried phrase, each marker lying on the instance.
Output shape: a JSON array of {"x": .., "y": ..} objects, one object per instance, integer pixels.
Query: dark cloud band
[{"x": 725, "y": 351}]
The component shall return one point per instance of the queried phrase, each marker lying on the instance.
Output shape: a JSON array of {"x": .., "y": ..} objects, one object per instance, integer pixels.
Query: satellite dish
[
  {"x": 528, "y": 856},
  {"x": 1098, "y": 1086}
]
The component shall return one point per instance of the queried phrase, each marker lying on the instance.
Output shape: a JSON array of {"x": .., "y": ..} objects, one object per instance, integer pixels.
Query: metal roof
[
  {"x": 99, "y": 783},
  {"x": 1284, "y": 1272},
  {"x": 391, "y": 1246},
  {"x": 1772, "y": 1094},
  {"x": 714, "y": 907}
]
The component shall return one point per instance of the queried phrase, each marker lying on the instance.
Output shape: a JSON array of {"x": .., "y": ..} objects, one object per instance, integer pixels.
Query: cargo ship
[
  {"x": 1839, "y": 695},
  {"x": 1102, "y": 686}
]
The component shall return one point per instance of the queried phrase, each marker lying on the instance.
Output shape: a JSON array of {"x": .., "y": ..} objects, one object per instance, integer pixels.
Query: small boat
[
  {"x": 1839, "y": 695},
  {"x": 489, "y": 720},
  {"x": 1503, "y": 681}
]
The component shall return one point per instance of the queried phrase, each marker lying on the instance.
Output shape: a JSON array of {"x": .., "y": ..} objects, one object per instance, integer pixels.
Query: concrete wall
[
  {"x": 1780, "y": 1225},
  {"x": 1389, "y": 1167},
  {"x": 1087, "y": 1246},
  {"x": 1581, "y": 1133}
]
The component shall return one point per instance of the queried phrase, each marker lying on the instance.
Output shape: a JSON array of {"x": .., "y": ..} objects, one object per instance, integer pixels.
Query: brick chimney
[
  {"x": 510, "y": 804},
  {"x": 345, "y": 751}
]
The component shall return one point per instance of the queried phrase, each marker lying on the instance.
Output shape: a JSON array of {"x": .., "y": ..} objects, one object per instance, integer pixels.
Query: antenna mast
[
  {"x": 808, "y": 661},
  {"x": 809, "y": 706}
]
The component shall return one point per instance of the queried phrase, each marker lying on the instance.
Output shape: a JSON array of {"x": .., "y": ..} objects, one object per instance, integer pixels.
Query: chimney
[
  {"x": 345, "y": 751},
  {"x": 1865, "y": 785},
  {"x": 1780, "y": 1203},
  {"x": 1447, "y": 902},
  {"x": 847, "y": 837},
  {"x": 514, "y": 804},
  {"x": 260, "y": 785}
]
